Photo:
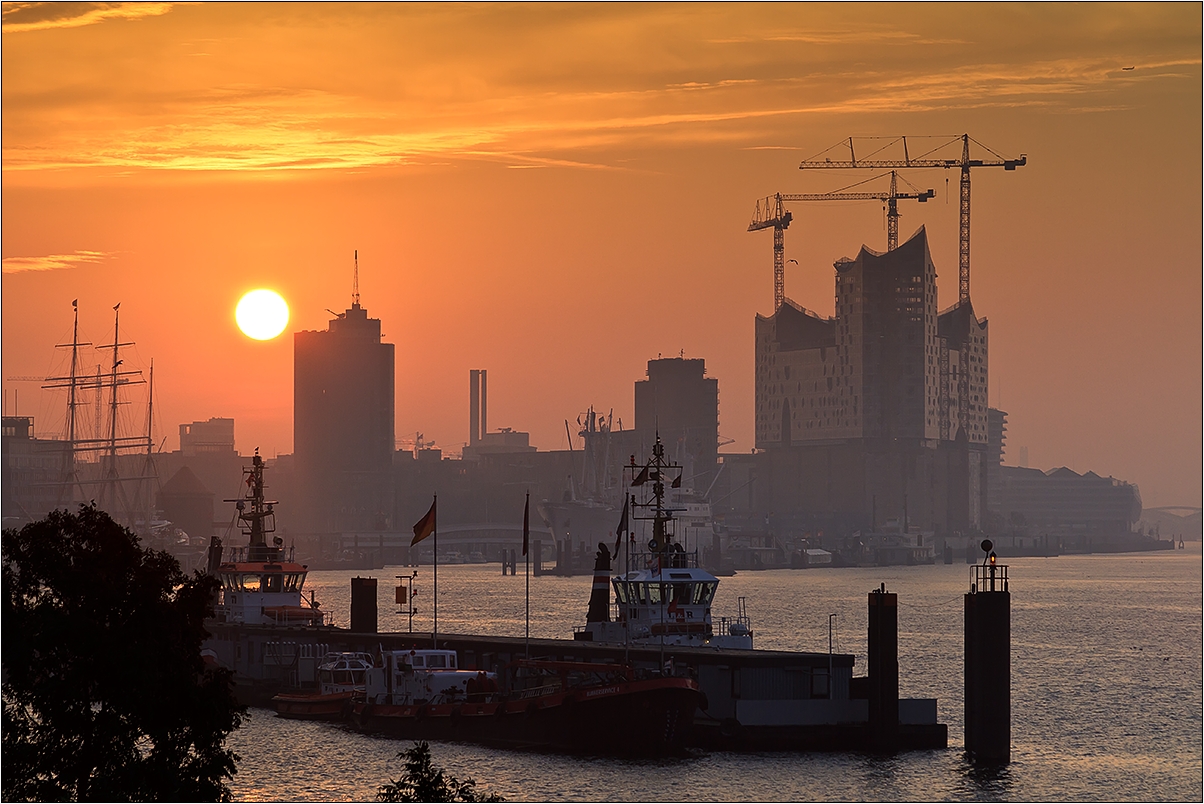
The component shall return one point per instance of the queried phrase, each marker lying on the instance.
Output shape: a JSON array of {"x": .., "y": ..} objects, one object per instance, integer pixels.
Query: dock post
[
  {"x": 363, "y": 605},
  {"x": 988, "y": 656},
  {"x": 537, "y": 558},
  {"x": 883, "y": 649}
]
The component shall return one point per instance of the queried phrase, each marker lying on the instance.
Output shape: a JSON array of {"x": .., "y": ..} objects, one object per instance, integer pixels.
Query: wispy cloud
[
  {"x": 23, "y": 17},
  {"x": 53, "y": 262},
  {"x": 868, "y": 37},
  {"x": 561, "y": 100},
  {"x": 241, "y": 128}
]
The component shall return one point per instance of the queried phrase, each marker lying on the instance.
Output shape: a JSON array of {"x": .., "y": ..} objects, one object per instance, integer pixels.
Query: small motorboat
[{"x": 340, "y": 677}]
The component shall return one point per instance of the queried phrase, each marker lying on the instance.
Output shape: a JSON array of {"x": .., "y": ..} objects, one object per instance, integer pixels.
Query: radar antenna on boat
[{"x": 256, "y": 515}]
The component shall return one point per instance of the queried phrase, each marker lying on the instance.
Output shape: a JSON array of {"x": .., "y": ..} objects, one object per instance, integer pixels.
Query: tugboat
[
  {"x": 557, "y": 705},
  {"x": 340, "y": 676},
  {"x": 664, "y": 598},
  {"x": 259, "y": 586}
]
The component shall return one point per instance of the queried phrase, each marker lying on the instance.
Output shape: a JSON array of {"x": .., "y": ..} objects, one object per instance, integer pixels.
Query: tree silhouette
[
  {"x": 422, "y": 781},
  {"x": 105, "y": 694}
]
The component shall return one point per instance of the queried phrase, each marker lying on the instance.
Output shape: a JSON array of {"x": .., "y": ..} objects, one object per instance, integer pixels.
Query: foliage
[
  {"x": 105, "y": 693},
  {"x": 424, "y": 782}
]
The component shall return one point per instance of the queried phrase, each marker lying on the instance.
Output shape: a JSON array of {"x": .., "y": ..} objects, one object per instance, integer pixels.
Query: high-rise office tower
[
  {"x": 343, "y": 424},
  {"x": 680, "y": 402}
]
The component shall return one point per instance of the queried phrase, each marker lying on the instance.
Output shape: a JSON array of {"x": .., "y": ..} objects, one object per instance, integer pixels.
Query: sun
[{"x": 262, "y": 314}]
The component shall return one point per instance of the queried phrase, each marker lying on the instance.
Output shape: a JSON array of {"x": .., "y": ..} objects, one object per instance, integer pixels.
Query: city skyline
[{"x": 560, "y": 194}]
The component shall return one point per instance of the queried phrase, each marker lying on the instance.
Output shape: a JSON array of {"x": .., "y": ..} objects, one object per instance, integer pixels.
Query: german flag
[{"x": 425, "y": 526}]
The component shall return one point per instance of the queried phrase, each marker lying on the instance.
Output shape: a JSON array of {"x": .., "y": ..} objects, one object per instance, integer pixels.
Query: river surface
[{"x": 1106, "y": 689}]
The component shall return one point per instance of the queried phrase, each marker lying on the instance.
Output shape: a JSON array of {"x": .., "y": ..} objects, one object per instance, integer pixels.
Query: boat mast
[
  {"x": 111, "y": 490},
  {"x": 259, "y": 518},
  {"x": 68, "y": 474},
  {"x": 71, "y": 387},
  {"x": 105, "y": 446},
  {"x": 149, "y": 475},
  {"x": 69, "y": 478}
]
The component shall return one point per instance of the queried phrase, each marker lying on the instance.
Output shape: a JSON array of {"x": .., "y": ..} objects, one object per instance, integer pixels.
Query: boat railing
[
  {"x": 644, "y": 559},
  {"x": 227, "y": 614},
  {"x": 289, "y": 615},
  {"x": 740, "y": 625}
]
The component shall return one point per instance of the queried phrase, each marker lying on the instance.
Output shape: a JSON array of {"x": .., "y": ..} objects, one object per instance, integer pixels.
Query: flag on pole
[
  {"x": 677, "y": 483},
  {"x": 425, "y": 526},
  {"x": 527, "y": 523},
  {"x": 641, "y": 478},
  {"x": 622, "y": 528}
]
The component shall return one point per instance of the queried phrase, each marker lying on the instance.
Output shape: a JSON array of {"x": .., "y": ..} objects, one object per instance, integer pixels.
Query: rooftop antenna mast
[{"x": 355, "y": 285}]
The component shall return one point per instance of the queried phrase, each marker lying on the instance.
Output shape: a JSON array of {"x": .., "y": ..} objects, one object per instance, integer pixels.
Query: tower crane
[
  {"x": 928, "y": 159},
  {"x": 771, "y": 212}
]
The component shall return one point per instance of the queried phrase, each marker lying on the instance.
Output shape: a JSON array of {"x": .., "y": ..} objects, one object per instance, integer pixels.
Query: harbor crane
[
  {"x": 771, "y": 212},
  {"x": 928, "y": 159}
]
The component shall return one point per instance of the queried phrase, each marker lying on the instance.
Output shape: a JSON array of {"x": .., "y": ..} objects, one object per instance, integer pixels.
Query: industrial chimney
[{"x": 477, "y": 406}]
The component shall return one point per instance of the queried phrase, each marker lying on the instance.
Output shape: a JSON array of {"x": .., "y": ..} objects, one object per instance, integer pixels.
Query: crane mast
[
  {"x": 963, "y": 162},
  {"x": 771, "y": 212}
]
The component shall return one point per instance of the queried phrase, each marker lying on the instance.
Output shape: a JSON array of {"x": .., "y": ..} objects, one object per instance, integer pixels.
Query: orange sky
[{"x": 559, "y": 193}]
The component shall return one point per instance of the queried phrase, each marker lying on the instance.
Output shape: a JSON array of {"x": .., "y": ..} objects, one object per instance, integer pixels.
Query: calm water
[{"x": 1106, "y": 689}]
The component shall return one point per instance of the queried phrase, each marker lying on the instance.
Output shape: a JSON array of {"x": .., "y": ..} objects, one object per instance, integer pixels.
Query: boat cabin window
[
  {"x": 698, "y": 593},
  {"x": 437, "y": 661},
  {"x": 703, "y": 593},
  {"x": 266, "y": 582},
  {"x": 242, "y": 582}
]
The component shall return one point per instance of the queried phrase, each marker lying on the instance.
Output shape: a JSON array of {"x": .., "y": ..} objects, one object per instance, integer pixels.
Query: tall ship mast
[{"x": 104, "y": 450}]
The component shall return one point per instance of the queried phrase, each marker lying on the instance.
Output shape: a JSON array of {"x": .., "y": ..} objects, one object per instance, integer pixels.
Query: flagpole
[
  {"x": 627, "y": 497},
  {"x": 527, "y": 573},
  {"x": 435, "y": 627}
]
